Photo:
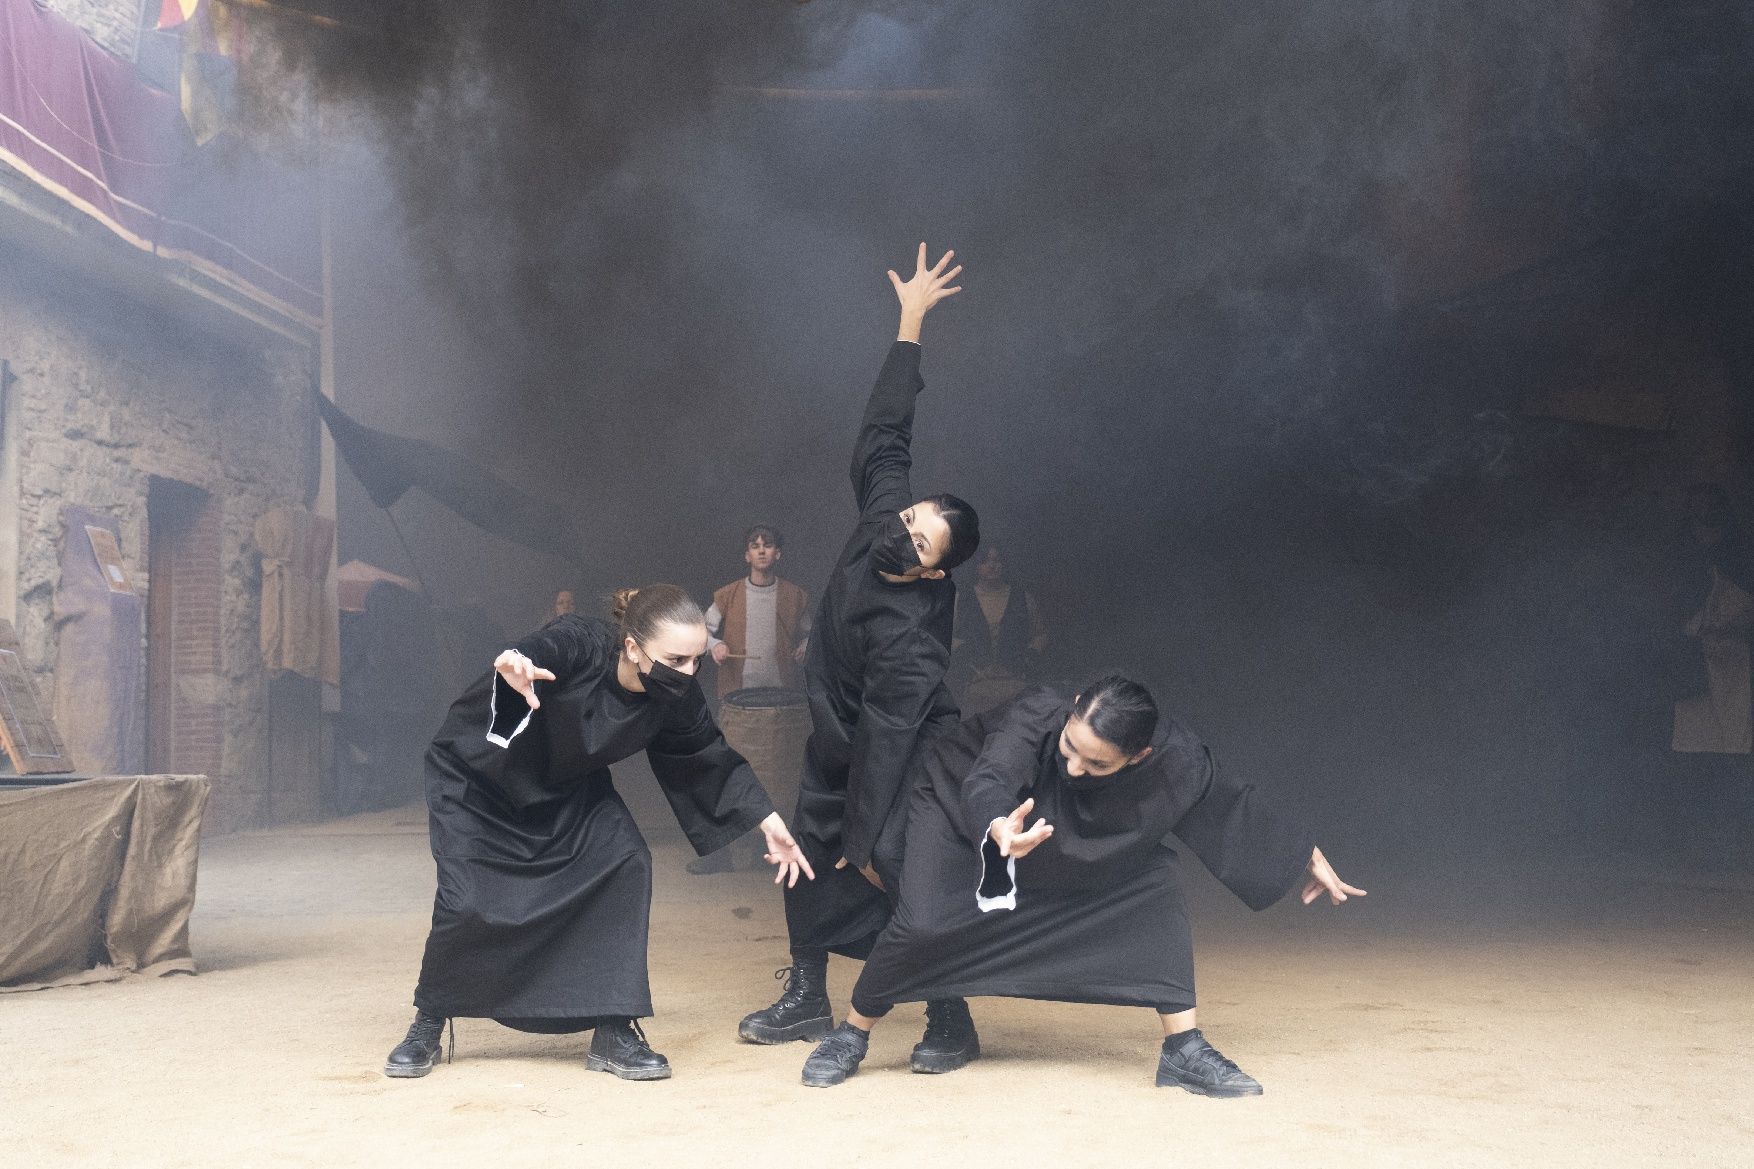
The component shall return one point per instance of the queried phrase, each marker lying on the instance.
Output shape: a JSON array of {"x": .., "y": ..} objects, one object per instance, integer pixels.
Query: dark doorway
[{"x": 184, "y": 687}]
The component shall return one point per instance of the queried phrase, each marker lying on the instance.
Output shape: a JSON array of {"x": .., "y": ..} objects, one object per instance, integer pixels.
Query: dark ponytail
[
  {"x": 1120, "y": 711},
  {"x": 965, "y": 529},
  {"x": 642, "y": 612}
]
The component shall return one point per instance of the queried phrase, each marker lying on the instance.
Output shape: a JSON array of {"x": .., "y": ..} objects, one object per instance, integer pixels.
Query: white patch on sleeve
[
  {"x": 990, "y": 894},
  {"x": 494, "y": 733}
]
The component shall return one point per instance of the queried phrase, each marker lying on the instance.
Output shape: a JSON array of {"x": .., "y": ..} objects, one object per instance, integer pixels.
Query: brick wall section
[
  {"x": 198, "y": 732},
  {"x": 114, "y": 24},
  {"x": 112, "y": 393}
]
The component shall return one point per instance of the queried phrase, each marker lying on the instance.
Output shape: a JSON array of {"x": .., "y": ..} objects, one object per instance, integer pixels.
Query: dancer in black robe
[
  {"x": 544, "y": 882},
  {"x": 1084, "y": 906},
  {"x": 874, "y": 673}
]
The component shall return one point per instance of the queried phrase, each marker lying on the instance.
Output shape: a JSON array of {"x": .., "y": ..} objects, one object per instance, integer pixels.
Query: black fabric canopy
[{"x": 388, "y": 465}]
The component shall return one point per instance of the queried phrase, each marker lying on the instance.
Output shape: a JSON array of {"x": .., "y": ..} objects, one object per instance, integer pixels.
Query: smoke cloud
[{"x": 1268, "y": 311}]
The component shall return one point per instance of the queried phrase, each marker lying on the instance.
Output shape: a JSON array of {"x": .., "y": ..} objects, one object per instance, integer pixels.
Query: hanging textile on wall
[
  {"x": 98, "y": 660},
  {"x": 300, "y": 633}
]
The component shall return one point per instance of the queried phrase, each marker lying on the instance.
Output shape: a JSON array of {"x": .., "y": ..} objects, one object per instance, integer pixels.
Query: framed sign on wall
[{"x": 27, "y": 729}]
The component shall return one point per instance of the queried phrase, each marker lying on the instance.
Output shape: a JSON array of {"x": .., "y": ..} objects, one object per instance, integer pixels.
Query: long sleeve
[
  {"x": 565, "y": 648},
  {"x": 715, "y": 621},
  {"x": 903, "y": 680},
  {"x": 1005, "y": 769},
  {"x": 711, "y": 789},
  {"x": 999, "y": 781},
  {"x": 882, "y": 456},
  {"x": 1254, "y": 851}
]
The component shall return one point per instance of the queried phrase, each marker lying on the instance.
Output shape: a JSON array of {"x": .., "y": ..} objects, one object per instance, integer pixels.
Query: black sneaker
[
  {"x": 802, "y": 1012},
  {"x": 950, "y": 1041},
  {"x": 619, "y": 1047},
  {"x": 419, "y": 1049},
  {"x": 1200, "y": 1068},
  {"x": 836, "y": 1057}
]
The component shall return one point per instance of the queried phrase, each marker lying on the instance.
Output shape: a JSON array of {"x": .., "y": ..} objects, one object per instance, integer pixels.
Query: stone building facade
[{"x": 124, "y": 401}]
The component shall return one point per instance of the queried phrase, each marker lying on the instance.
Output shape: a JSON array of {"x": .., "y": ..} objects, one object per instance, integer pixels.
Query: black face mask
[
  {"x": 1087, "y": 782},
  {"x": 894, "y": 551},
  {"x": 665, "y": 684}
]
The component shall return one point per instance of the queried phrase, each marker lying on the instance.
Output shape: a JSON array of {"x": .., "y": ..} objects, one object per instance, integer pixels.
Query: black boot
[
  {"x": 619, "y": 1047},
  {"x": 836, "y": 1057},
  {"x": 1200, "y": 1068},
  {"x": 419, "y": 1049},
  {"x": 802, "y": 1012},
  {"x": 950, "y": 1041}
]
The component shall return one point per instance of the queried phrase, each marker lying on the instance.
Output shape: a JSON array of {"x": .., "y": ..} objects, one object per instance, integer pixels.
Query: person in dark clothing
[
  {"x": 1085, "y": 905},
  {"x": 392, "y": 688},
  {"x": 874, "y": 675},
  {"x": 544, "y": 882},
  {"x": 1000, "y": 637}
]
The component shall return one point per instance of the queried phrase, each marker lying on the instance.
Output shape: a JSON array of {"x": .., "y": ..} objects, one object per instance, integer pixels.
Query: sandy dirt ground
[{"x": 1430, "y": 1026}]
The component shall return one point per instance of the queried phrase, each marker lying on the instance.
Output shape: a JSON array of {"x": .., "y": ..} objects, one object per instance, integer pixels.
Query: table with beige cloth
[{"x": 97, "y": 879}]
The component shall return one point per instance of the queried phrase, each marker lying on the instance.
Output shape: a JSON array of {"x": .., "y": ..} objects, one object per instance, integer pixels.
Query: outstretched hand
[
  {"x": 1323, "y": 879},
  {"x": 924, "y": 289},
  {"x": 522, "y": 674},
  {"x": 783, "y": 852},
  {"x": 1009, "y": 834}
]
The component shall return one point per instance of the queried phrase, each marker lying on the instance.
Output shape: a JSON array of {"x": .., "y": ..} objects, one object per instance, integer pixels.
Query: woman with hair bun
[
  {"x": 1085, "y": 904},
  {"x": 544, "y": 882}
]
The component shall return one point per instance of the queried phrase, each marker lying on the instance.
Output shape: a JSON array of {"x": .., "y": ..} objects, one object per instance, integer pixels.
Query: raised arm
[
  {"x": 555, "y": 653},
  {"x": 881, "y": 456}
]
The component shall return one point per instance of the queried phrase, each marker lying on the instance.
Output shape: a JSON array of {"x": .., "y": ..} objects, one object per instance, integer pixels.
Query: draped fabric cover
[
  {"x": 97, "y": 879},
  {"x": 81, "y": 124},
  {"x": 98, "y": 652}
]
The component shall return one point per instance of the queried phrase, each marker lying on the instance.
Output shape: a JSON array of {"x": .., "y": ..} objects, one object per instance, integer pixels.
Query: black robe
[
  {"x": 1095, "y": 914},
  {"x": 875, "y": 678},
  {"x": 544, "y": 882}
]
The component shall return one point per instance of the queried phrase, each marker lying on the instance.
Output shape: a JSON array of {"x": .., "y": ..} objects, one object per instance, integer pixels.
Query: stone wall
[
  {"x": 110, "y": 394},
  {"x": 114, "y": 24}
]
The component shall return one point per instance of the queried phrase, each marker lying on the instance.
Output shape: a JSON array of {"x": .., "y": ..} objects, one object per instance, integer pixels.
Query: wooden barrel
[{"x": 768, "y": 727}]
